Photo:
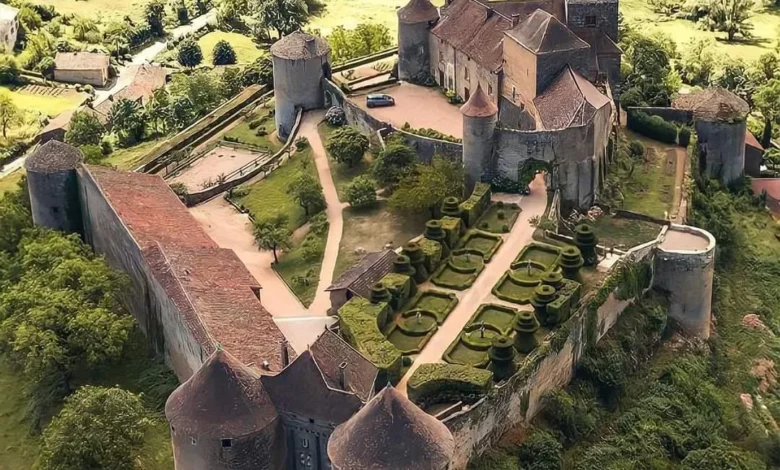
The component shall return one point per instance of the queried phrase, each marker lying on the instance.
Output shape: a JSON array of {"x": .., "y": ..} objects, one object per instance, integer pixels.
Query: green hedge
[
  {"x": 400, "y": 287},
  {"x": 448, "y": 383},
  {"x": 565, "y": 302},
  {"x": 432, "y": 250},
  {"x": 359, "y": 320},
  {"x": 652, "y": 126},
  {"x": 453, "y": 226},
  {"x": 472, "y": 208}
]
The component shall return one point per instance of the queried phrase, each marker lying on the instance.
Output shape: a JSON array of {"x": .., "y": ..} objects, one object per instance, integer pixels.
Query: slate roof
[
  {"x": 479, "y": 105},
  {"x": 361, "y": 277},
  {"x": 81, "y": 61},
  {"x": 713, "y": 104},
  {"x": 418, "y": 11},
  {"x": 330, "y": 351},
  {"x": 476, "y": 30},
  {"x": 53, "y": 156},
  {"x": 223, "y": 399},
  {"x": 570, "y": 100},
  {"x": 542, "y": 33},
  {"x": 300, "y": 46},
  {"x": 521, "y": 9},
  {"x": 391, "y": 433}
]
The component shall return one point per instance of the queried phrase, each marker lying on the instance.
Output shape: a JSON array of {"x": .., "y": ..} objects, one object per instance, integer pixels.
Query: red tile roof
[
  {"x": 543, "y": 33},
  {"x": 751, "y": 141},
  {"x": 81, "y": 61},
  {"x": 563, "y": 103}
]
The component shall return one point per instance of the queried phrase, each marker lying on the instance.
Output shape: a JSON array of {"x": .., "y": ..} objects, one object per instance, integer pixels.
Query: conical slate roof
[
  {"x": 713, "y": 104},
  {"x": 391, "y": 433},
  {"x": 224, "y": 398},
  {"x": 542, "y": 33},
  {"x": 479, "y": 105},
  {"x": 300, "y": 46},
  {"x": 53, "y": 156},
  {"x": 418, "y": 11}
]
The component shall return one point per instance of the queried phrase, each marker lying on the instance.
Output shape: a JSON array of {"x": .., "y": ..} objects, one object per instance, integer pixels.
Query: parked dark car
[{"x": 379, "y": 100}]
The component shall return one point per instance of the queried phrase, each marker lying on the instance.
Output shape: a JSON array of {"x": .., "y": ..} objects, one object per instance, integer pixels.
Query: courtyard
[
  {"x": 421, "y": 107},
  {"x": 220, "y": 162}
]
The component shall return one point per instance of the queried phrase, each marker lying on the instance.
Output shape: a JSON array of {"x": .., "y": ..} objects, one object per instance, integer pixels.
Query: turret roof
[
  {"x": 542, "y": 33},
  {"x": 300, "y": 46},
  {"x": 418, "y": 11},
  {"x": 224, "y": 398},
  {"x": 479, "y": 105},
  {"x": 53, "y": 156},
  {"x": 391, "y": 433},
  {"x": 713, "y": 104}
]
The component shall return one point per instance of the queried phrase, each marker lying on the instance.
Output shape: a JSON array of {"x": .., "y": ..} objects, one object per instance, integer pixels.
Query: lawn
[
  {"x": 624, "y": 233},
  {"x": 246, "y": 50},
  {"x": 131, "y": 158},
  {"x": 342, "y": 173},
  {"x": 244, "y": 134},
  {"x": 370, "y": 230},
  {"x": 46, "y": 105},
  {"x": 292, "y": 265},
  {"x": 350, "y": 13},
  {"x": 100, "y": 9},
  {"x": 650, "y": 189},
  {"x": 9, "y": 182}
]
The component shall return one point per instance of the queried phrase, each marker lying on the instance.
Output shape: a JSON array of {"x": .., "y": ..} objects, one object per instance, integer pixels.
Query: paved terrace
[
  {"x": 480, "y": 293},
  {"x": 421, "y": 107}
]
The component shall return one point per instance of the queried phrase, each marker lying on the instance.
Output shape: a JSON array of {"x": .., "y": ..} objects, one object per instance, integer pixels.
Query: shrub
[
  {"x": 46, "y": 67},
  {"x": 684, "y": 136},
  {"x": 312, "y": 247},
  {"x": 393, "y": 163},
  {"x": 92, "y": 154},
  {"x": 180, "y": 189},
  {"x": 336, "y": 116},
  {"x": 106, "y": 148},
  {"x": 319, "y": 224},
  {"x": 223, "y": 53},
  {"x": 501, "y": 215},
  {"x": 722, "y": 457},
  {"x": 571, "y": 415},
  {"x": 361, "y": 193},
  {"x": 262, "y": 132},
  {"x": 9, "y": 70},
  {"x": 636, "y": 148},
  {"x": 359, "y": 321},
  {"x": 473, "y": 207},
  {"x": 652, "y": 126},
  {"x": 254, "y": 124},
  {"x": 448, "y": 383},
  {"x": 347, "y": 145},
  {"x": 541, "y": 451}
]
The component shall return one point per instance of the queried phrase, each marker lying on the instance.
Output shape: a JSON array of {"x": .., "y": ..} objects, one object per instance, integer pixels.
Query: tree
[
  {"x": 127, "y": 121},
  {"x": 190, "y": 55},
  {"x": 82, "y": 26},
  {"x": 158, "y": 110},
  {"x": 347, "y": 145},
  {"x": 699, "y": 62},
  {"x": 273, "y": 234},
  {"x": 772, "y": 158},
  {"x": 361, "y": 193},
  {"x": 736, "y": 77},
  {"x": 9, "y": 70},
  {"x": 232, "y": 82},
  {"x": 393, "y": 163},
  {"x": 365, "y": 39},
  {"x": 767, "y": 66},
  {"x": 10, "y": 114},
  {"x": 259, "y": 72},
  {"x": 200, "y": 88},
  {"x": 541, "y": 451},
  {"x": 84, "y": 129},
  {"x": 731, "y": 17},
  {"x": 155, "y": 15},
  {"x": 14, "y": 220},
  {"x": 307, "y": 192},
  {"x": 97, "y": 428},
  {"x": 428, "y": 185},
  {"x": 722, "y": 457},
  {"x": 767, "y": 100},
  {"x": 93, "y": 155},
  {"x": 223, "y": 53},
  {"x": 648, "y": 67},
  {"x": 282, "y": 16}
]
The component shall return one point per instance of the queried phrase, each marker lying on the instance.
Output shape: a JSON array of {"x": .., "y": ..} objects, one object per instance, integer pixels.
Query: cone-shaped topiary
[
  {"x": 553, "y": 279},
  {"x": 417, "y": 259},
  {"x": 525, "y": 326},
  {"x": 543, "y": 295},
  {"x": 571, "y": 262},
  {"x": 434, "y": 231},
  {"x": 451, "y": 207},
  {"x": 379, "y": 294},
  {"x": 502, "y": 358},
  {"x": 585, "y": 239}
]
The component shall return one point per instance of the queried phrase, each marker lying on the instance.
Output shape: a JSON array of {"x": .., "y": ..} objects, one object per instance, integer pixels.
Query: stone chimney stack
[
  {"x": 343, "y": 380},
  {"x": 285, "y": 354}
]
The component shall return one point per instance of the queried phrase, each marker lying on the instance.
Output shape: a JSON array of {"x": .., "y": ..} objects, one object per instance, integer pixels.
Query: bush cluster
[{"x": 652, "y": 126}]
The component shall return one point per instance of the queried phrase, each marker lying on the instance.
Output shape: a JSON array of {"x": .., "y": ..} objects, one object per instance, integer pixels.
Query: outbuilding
[
  {"x": 9, "y": 27},
  {"x": 86, "y": 68}
]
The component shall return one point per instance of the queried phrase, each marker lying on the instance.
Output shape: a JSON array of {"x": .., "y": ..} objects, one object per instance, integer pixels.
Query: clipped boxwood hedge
[
  {"x": 358, "y": 320},
  {"x": 448, "y": 383},
  {"x": 432, "y": 250},
  {"x": 472, "y": 208},
  {"x": 400, "y": 287},
  {"x": 559, "y": 310},
  {"x": 453, "y": 226},
  {"x": 652, "y": 126}
]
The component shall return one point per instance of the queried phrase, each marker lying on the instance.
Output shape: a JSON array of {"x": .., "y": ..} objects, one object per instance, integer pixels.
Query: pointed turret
[
  {"x": 418, "y": 11},
  {"x": 480, "y": 116},
  {"x": 479, "y": 105},
  {"x": 414, "y": 21}
]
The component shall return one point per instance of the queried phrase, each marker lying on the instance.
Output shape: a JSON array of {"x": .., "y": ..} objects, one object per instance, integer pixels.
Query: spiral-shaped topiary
[
  {"x": 502, "y": 358},
  {"x": 585, "y": 239},
  {"x": 417, "y": 259},
  {"x": 553, "y": 279},
  {"x": 543, "y": 295},
  {"x": 435, "y": 232},
  {"x": 379, "y": 294},
  {"x": 525, "y": 325},
  {"x": 571, "y": 262},
  {"x": 451, "y": 207}
]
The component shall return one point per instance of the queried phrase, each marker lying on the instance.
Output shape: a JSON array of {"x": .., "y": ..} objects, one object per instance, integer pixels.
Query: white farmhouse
[{"x": 9, "y": 27}]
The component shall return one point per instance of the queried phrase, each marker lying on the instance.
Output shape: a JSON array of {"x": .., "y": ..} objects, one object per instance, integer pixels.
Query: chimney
[
  {"x": 343, "y": 376},
  {"x": 489, "y": 12},
  {"x": 285, "y": 354}
]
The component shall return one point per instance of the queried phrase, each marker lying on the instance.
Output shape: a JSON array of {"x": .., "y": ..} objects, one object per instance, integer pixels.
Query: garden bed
[
  {"x": 432, "y": 384},
  {"x": 517, "y": 286},
  {"x": 497, "y": 315},
  {"x": 436, "y": 302},
  {"x": 482, "y": 242},
  {"x": 412, "y": 330},
  {"x": 499, "y": 218},
  {"x": 471, "y": 347},
  {"x": 541, "y": 253},
  {"x": 460, "y": 271}
]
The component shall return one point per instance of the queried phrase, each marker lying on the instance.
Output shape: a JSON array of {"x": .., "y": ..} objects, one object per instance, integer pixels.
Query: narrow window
[
  {"x": 466, "y": 73},
  {"x": 227, "y": 443},
  {"x": 490, "y": 90},
  {"x": 514, "y": 92},
  {"x": 193, "y": 441},
  {"x": 590, "y": 21}
]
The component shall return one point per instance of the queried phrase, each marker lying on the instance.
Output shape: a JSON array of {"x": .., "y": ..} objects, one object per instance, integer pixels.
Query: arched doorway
[{"x": 527, "y": 170}]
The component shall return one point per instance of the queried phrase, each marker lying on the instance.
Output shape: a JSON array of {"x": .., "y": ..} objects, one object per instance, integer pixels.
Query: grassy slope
[
  {"x": 343, "y": 174},
  {"x": 244, "y": 134},
  {"x": 131, "y": 158},
  {"x": 45, "y": 105},
  {"x": 651, "y": 188},
  {"x": 246, "y": 50},
  {"x": 350, "y": 13},
  {"x": 9, "y": 183},
  {"x": 100, "y": 9}
]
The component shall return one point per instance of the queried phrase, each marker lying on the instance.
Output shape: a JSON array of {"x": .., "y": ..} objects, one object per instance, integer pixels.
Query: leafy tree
[
  {"x": 273, "y": 234},
  {"x": 92, "y": 154},
  {"x": 14, "y": 220},
  {"x": 731, "y": 17},
  {"x": 38, "y": 46},
  {"x": 232, "y": 82},
  {"x": 158, "y": 110},
  {"x": 767, "y": 100},
  {"x": 223, "y": 53},
  {"x": 259, "y": 72},
  {"x": 361, "y": 193},
  {"x": 364, "y": 39},
  {"x": 541, "y": 451},
  {"x": 9, "y": 70},
  {"x": 735, "y": 76},
  {"x": 772, "y": 158},
  {"x": 201, "y": 89},
  {"x": 307, "y": 192},
  {"x": 84, "y": 129},
  {"x": 722, "y": 457},
  {"x": 700, "y": 62},
  {"x": 97, "y": 428},
  {"x": 29, "y": 18},
  {"x": 128, "y": 121},
  {"x": 428, "y": 185},
  {"x": 393, "y": 163},
  {"x": 155, "y": 16},
  {"x": 10, "y": 114},
  {"x": 282, "y": 16},
  {"x": 767, "y": 66},
  {"x": 312, "y": 247},
  {"x": 347, "y": 145},
  {"x": 648, "y": 68},
  {"x": 190, "y": 55},
  {"x": 82, "y": 26}
]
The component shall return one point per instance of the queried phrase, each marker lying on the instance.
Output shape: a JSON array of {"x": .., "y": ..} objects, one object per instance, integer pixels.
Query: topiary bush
[
  {"x": 360, "y": 322},
  {"x": 223, "y": 53},
  {"x": 526, "y": 325},
  {"x": 473, "y": 207},
  {"x": 502, "y": 358},
  {"x": 431, "y": 384},
  {"x": 361, "y": 193},
  {"x": 684, "y": 136},
  {"x": 585, "y": 239},
  {"x": 450, "y": 207},
  {"x": 652, "y": 126},
  {"x": 636, "y": 148},
  {"x": 336, "y": 116}
]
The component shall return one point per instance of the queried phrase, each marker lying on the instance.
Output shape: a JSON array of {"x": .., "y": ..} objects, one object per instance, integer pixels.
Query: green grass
[
  {"x": 542, "y": 255},
  {"x": 501, "y": 318},
  {"x": 269, "y": 195},
  {"x": 436, "y": 302},
  {"x": 45, "y": 105},
  {"x": 292, "y": 265},
  {"x": 490, "y": 221},
  {"x": 246, "y": 50},
  {"x": 343, "y": 174},
  {"x": 350, "y": 13},
  {"x": 100, "y": 9},
  {"x": 624, "y": 233},
  {"x": 245, "y": 135},
  {"x": 18, "y": 449},
  {"x": 10, "y": 182},
  {"x": 650, "y": 188},
  {"x": 131, "y": 158}
]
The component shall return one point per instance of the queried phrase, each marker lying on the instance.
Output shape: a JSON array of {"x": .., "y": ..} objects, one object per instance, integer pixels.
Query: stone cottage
[
  {"x": 359, "y": 279},
  {"x": 86, "y": 68}
]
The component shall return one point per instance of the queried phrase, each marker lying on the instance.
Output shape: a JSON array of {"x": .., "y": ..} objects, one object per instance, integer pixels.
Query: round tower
[
  {"x": 301, "y": 61},
  {"x": 53, "y": 186},
  {"x": 684, "y": 267},
  {"x": 480, "y": 116},
  {"x": 414, "y": 51},
  {"x": 223, "y": 418},
  {"x": 391, "y": 433}
]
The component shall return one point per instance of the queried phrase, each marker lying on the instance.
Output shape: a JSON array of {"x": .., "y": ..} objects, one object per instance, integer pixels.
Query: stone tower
[
  {"x": 222, "y": 418},
  {"x": 53, "y": 185},
  {"x": 597, "y": 14},
  {"x": 301, "y": 61},
  {"x": 480, "y": 116},
  {"x": 414, "y": 19},
  {"x": 391, "y": 433}
]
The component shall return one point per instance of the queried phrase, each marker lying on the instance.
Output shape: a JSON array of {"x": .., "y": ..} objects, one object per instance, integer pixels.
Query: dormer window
[{"x": 590, "y": 21}]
